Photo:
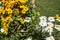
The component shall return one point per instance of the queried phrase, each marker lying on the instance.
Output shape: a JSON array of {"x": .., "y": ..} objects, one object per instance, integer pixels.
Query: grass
[{"x": 48, "y": 7}]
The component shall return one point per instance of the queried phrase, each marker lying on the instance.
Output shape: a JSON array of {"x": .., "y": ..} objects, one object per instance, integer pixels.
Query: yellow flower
[
  {"x": 3, "y": 19},
  {"x": 25, "y": 8},
  {"x": 3, "y": 1},
  {"x": 5, "y": 30},
  {"x": 9, "y": 10},
  {"x": 23, "y": 12},
  {"x": 22, "y": 6},
  {"x": 9, "y": 18},
  {"x": 23, "y": 1},
  {"x": 12, "y": 2},
  {"x": 8, "y": 5},
  {"x": 57, "y": 16},
  {"x": 16, "y": 0},
  {"x": 1, "y": 11},
  {"x": 8, "y": 24},
  {"x": 22, "y": 20},
  {"x": 38, "y": 13}
]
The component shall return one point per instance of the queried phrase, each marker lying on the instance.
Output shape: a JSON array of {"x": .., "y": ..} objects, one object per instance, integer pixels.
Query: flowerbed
[{"x": 19, "y": 20}]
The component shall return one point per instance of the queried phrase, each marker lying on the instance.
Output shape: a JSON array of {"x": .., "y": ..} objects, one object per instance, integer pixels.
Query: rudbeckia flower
[{"x": 23, "y": 1}]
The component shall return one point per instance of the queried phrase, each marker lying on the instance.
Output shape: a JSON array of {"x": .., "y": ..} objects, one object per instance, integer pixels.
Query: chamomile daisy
[
  {"x": 43, "y": 18},
  {"x": 57, "y": 27},
  {"x": 51, "y": 19},
  {"x": 50, "y": 38}
]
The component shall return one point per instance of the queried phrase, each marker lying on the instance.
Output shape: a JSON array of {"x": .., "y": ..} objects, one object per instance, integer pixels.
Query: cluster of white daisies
[{"x": 47, "y": 24}]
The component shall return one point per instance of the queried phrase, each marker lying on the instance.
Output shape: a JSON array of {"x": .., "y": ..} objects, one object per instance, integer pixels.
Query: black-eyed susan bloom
[{"x": 23, "y": 1}]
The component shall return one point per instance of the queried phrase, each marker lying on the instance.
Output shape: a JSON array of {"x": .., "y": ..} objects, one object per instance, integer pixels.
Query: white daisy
[
  {"x": 27, "y": 19},
  {"x": 58, "y": 19},
  {"x": 43, "y": 24},
  {"x": 50, "y": 24},
  {"x": 0, "y": 2},
  {"x": 43, "y": 18},
  {"x": 28, "y": 38},
  {"x": 2, "y": 30},
  {"x": 51, "y": 19},
  {"x": 57, "y": 27},
  {"x": 50, "y": 38},
  {"x": 49, "y": 30},
  {"x": 22, "y": 30}
]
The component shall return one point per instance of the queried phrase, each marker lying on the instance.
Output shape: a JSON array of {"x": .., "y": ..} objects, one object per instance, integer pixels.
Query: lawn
[{"x": 48, "y": 7}]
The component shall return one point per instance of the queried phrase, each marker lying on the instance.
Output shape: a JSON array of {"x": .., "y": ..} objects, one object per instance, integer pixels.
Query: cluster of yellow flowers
[
  {"x": 9, "y": 5},
  {"x": 8, "y": 8},
  {"x": 6, "y": 22}
]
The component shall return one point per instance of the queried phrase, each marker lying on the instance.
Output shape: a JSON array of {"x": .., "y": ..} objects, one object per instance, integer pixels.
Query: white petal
[
  {"x": 50, "y": 38},
  {"x": 58, "y": 20},
  {"x": 28, "y": 19},
  {"x": 2, "y": 30},
  {"x": 28, "y": 38},
  {"x": 43, "y": 18},
  {"x": 22, "y": 30},
  {"x": 43, "y": 24},
  {"x": 49, "y": 29},
  {"x": 0, "y": 2},
  {"x": 57, "y": 27},
  {"x": 50, "y": 24}
]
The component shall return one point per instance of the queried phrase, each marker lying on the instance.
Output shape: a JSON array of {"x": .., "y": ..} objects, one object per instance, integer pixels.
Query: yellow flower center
[
  {"x": 38, "y": 13},
  {"x": 50, "y": 18},
  {"x": 49, "y": 29},
  {"x": 42, "y": 18},
  {"x": 50, "y": 38}
]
